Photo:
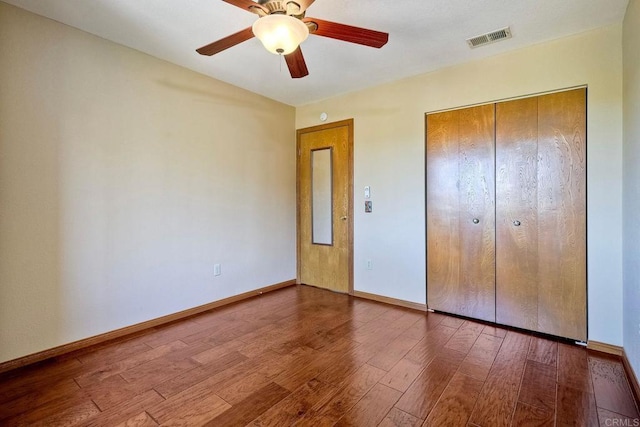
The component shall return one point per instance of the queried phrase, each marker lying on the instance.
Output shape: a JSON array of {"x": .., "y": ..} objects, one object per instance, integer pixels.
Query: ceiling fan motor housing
[{"x": 288, "y": 7}]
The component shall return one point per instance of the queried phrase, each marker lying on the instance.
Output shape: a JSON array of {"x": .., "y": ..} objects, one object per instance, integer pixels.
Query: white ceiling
[{"x": 424, "y": 35}]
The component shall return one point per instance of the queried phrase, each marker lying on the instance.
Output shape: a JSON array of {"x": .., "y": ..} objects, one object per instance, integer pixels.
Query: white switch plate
[
  {"x": 369, "y": 265},
  {"x": 367, "y": 192},
  {"x": 217, "y": 269}
]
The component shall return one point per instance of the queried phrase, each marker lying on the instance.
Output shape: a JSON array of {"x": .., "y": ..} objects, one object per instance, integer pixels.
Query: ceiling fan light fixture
[{"x": 280, "y": 34}]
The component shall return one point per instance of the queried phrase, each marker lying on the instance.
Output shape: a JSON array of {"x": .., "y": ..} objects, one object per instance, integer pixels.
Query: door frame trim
[{"x": 299, "y": 132}]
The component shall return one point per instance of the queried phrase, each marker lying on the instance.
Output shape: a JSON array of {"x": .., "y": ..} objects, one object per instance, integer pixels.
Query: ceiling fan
[{"x": 282, "y": 26}]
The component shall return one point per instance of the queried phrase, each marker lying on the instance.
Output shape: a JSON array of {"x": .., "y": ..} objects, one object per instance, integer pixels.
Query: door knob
[
  {"x": 344, "y": 218},
  {"x": 476, "y": 220},
  {"x": 516, "y": 223}
]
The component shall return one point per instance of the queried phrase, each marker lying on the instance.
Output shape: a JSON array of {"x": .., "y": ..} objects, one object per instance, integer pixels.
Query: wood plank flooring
[{"x": 308, "y": 357}]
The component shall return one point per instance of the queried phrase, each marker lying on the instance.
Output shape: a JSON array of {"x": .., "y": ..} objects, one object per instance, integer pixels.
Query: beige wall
[
  {"x": 123, "y": 179},
  {"x": 631, "y": 195},
  {"x": 389, "y": 156}
]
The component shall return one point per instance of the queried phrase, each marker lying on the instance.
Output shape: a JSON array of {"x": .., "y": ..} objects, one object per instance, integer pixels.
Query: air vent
[{"x": 492, "y": 37}]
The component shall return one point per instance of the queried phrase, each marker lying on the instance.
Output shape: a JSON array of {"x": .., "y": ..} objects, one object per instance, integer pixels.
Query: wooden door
[
  {"x": 562, "y": 214},
  {"x": 461, "y": 212},
  {"x": 541, "y": 214},
  {"x": 517, "y": 276},
  {"x": 325, "y": 199}
]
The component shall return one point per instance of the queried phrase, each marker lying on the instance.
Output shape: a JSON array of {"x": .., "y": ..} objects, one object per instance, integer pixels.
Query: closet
[{"x": 506, "y": 213}]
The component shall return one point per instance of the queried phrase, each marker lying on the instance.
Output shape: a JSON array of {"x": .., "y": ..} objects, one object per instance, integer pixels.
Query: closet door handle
[
  {"x": 516, "y": 223},
  {"x": 476, "y": 220}
]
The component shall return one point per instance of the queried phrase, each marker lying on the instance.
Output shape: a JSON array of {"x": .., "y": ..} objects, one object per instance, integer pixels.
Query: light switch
[
  {"x": 367, "y": 192},
  {"x": 368, "y": 206}
]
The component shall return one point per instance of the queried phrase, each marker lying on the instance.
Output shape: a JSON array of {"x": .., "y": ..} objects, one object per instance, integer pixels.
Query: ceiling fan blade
[
  {"x": 348, "y": 33},
  {"x": 226, "y": 43},
  {"x": 296, "y": 64},
  {"x": 246, "y": 5}
]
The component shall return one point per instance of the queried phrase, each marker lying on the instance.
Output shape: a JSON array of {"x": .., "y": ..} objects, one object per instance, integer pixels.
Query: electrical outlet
[
  {"x": 217, "y": 269},
  {"x": 369, "y": 265}
]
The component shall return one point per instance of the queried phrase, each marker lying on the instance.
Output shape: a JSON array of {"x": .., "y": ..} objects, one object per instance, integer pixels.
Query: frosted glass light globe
[{"x": 280, "y": 34}]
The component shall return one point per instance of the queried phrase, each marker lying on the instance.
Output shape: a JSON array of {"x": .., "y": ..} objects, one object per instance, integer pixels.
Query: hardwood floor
[{"x": 309, "y": 357}]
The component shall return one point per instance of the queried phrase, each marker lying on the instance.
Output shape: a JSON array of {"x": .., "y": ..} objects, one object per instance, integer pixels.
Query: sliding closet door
[
  {"x": 461, "y": 212},
  {"x": 541, "y": 214}
]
